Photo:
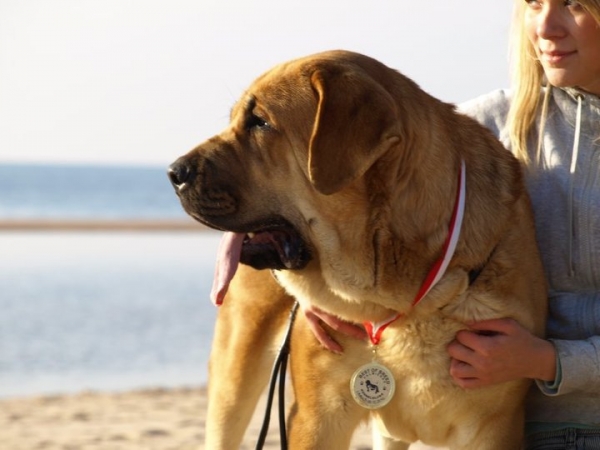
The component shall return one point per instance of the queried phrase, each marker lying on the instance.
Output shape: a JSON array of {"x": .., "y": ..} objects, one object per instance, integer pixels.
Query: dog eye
[{"x": 256, "y": 122}]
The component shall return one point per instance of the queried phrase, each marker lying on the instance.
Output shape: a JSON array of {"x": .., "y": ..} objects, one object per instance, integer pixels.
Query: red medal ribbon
[{"x": 375, "y": 330}]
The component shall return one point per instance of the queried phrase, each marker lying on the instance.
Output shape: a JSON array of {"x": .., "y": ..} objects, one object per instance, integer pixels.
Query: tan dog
[{"x": 342, "y": 176}]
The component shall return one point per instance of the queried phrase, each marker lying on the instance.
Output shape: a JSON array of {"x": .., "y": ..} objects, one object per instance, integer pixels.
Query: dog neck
[{"x": 375, "y": 330}]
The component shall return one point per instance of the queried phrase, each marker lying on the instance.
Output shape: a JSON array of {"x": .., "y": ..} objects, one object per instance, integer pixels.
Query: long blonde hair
[{"x": 527, "y": 81}]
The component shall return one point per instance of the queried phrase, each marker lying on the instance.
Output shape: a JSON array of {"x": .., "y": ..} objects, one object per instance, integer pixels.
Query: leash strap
[{"x": 279, "y": 368}]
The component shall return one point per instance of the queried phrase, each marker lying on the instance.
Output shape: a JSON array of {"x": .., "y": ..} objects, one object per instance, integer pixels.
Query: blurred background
[{"x": 103, "y": 280}]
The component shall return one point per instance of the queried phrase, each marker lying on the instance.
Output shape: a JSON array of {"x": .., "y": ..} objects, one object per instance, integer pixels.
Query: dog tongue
[{"x": 228, "y": 257}]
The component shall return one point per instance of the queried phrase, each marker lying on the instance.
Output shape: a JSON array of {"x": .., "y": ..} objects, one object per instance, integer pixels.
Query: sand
[
  {"x": 151, "y": 419},
  {"x": 23, "y": 225}
]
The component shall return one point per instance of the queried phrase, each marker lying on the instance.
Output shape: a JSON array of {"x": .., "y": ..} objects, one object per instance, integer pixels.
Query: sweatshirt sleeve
[
  {"x": 490, "y": 110},
  {"x": 578, "y": 367}
]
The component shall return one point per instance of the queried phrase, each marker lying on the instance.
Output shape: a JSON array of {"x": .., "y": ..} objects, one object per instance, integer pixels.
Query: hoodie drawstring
[{"x": 574, "y": 156}]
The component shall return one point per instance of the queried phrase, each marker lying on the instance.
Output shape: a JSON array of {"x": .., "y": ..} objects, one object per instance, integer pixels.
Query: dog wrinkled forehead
[
  {"x": 282, "y": 104},
  {"x": 287, "y": 90},
  {"x": 280, "y": 89}
]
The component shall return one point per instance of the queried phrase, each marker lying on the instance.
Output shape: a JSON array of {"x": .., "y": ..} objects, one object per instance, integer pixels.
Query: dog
[
  {"x": 371, "y": 386},
  {"x": 370, "y": 199}
]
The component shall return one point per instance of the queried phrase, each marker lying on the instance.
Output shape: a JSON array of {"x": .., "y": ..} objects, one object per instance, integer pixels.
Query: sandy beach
[
  {"x": 149, "y": 419},
  {"x": 153, "y": 419},
  {"x": 24, "y": 225}
]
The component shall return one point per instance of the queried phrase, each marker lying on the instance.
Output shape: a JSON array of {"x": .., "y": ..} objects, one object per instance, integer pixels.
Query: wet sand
[{"x": 101, "y": 225}]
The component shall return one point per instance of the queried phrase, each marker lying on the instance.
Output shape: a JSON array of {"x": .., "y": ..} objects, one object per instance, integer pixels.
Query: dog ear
[{"x": 356, "y": 122}]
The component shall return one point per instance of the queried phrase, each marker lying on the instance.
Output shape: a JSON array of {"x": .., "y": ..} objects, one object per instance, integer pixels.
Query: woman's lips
[{"x": 555, "y": 57}]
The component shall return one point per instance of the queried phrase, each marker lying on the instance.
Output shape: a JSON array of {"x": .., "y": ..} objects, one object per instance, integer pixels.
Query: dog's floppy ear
[{"x": 356, "y": 122}]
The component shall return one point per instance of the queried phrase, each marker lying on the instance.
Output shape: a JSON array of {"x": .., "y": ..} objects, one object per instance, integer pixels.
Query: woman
[
  {"x": 557, "y": 136},
  {"x": 555, "y": 131}
]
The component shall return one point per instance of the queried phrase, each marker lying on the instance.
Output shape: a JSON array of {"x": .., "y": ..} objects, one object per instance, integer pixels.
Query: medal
[{"x": 372, "y": 386}]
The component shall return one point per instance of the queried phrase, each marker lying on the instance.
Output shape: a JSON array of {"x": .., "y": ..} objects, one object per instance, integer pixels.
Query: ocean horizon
[
  {"x": 100, "y": 310},
  {"x": 86, "y": 191}
]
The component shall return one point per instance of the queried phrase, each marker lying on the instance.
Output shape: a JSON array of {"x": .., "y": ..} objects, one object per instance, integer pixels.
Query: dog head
[{"x": 288, "y": 171}]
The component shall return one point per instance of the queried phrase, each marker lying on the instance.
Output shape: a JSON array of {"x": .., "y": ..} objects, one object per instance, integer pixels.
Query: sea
[{"x": 100, "y": 310}]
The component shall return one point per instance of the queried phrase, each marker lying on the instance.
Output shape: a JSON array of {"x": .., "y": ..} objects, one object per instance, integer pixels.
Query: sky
[{"x": 144, "y": 81}]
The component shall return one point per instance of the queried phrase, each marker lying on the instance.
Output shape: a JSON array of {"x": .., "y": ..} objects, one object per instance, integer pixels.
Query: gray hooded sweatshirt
[{"x": 565, "y": 191}]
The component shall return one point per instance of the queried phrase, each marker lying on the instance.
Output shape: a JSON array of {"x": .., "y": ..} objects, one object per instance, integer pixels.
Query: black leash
[{"x": 279, "y": 368}]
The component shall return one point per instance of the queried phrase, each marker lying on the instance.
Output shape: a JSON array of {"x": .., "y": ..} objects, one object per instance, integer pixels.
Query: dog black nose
[{"x": 180, "y": 174}]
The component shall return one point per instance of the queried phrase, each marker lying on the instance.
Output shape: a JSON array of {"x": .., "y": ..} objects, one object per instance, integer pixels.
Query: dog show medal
[{"x": 372, "y": 386}]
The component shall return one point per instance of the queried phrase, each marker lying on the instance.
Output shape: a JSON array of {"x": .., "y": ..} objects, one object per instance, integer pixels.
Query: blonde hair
[{"x": 527, "y": 81}]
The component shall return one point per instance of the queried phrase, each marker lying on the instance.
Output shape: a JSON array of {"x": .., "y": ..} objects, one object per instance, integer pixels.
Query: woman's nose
[{"x": 551, "y": 22}]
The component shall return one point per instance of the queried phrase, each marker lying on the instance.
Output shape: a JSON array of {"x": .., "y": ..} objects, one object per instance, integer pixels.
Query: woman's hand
[
  {"x": 499, "y": 350},
  {"x": 316, "y": 317}
]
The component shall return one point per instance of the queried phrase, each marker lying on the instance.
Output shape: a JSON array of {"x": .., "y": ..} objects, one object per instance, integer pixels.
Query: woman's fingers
[{"x": 317, "y": 317}]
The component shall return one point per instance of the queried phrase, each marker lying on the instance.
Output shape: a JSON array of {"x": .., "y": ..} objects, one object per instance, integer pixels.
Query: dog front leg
[
  {"x": 505, "y": 433},
  {"x": 324, "y": 415},
  {"x": 248, "y": 332},
  {"x": 381, "y": 442}
]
